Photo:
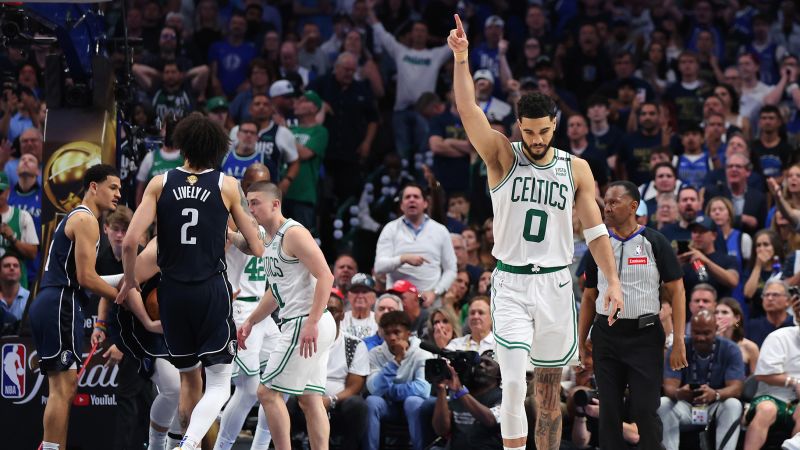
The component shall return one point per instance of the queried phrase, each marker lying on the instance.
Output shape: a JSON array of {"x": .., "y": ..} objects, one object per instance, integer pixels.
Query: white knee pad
[
  {"x": 218, "y": 390},
  {"x": 168, "y": 381},
  {"x": 513, "y": 363}
]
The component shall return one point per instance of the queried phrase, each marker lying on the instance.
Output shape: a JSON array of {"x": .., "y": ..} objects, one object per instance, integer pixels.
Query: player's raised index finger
[{"x": 459, "y": 27}]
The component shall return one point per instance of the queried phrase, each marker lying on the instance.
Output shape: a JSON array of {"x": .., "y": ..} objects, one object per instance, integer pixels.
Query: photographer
[
  {"x": 469, "y": 417},
  {"x": 708, "y": 389},
  {"x": 628, "y": 351}
]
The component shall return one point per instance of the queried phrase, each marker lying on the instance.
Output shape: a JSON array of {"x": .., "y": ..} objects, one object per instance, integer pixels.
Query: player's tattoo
[
  {"x": 548, "y": 431},
  {"x": 246, "y": 207},
  {"x": 548, "y": 387},
  {"x": 462, "y": 62}
]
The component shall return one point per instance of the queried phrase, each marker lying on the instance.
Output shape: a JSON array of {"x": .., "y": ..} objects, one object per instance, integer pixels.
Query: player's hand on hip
[
  {"x": 308, "y": 339},
  {"x": 677, "y": 359},
  {"x": 127, "y": 285},
  {"x": 113, "y": 355},
  {"x": 242, "y": 333},
  {"x": 613, "y": 300},
  {"x": 458, "y": 38}
]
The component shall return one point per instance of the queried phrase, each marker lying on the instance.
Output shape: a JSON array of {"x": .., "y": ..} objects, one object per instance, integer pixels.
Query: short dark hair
[
  {"x": 202, "y": 142},
  {"x": 422, "y": 189},
  {"x": 665, "y": 164},
  {"x": 597, "y": 100},
  {"x": 535, "y": 106},
  {"x": 630, "y": 189},
  {"x": 392, "y": 318},
  {"x": 249, "y": 121},
  {"x": 266, "y": 187},
  {"x": 11, "y": 254},
  {"x": 257, "y": 63},
  {"x": 770, "y": 109},
  {"x": 98, "y": 173}
]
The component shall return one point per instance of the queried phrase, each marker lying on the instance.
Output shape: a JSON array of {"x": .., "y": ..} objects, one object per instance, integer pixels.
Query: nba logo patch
[
  {"x": 14, "y": 362},
  {"x": 638, "y": 250}
]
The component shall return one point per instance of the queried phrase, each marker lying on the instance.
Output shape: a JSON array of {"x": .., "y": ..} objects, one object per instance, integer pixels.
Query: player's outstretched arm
[
  {"x": 490, "y": 144},
  {"x": 85, "y": 233},
  {"x": 596, "y": 235},
  {"x": 247, "y": 224}
]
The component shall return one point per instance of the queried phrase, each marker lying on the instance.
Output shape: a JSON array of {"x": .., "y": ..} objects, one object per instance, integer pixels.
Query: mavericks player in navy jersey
[
  {"x": 56, "y": 316},
  {"x": 192, "y": 204}
]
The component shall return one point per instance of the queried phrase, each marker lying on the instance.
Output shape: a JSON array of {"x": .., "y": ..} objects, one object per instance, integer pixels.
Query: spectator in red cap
[
  {"x": 360, "y": 320},
  {"x": 412, "y": 305}
]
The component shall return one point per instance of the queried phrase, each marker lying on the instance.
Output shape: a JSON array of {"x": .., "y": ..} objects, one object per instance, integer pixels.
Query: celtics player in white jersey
[
  {"x": 248, "y": 277},
  {"x": 533, "y": 188},
  {"x": 300, "y": 283}
]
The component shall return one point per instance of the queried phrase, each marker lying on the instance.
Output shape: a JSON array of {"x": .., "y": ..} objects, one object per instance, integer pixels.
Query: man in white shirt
[
  {"x": 417, "y": 70},
  {"x": 753, "y": 89},
  {"x": 495, "y": 109},
  {"x": 416, "y": 248},
  {"x": 360, "y": 320},
  {"x": 480, "y": 338}
]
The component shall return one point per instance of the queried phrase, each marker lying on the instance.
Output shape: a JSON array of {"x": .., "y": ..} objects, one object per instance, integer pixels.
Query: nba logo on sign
[{"x": 14, "y": 360}]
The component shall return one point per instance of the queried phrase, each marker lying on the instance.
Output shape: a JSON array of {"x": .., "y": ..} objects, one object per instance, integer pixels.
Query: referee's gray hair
[
  {"x": 778, "y": 281},
  {"x": 397, "y": 300}
]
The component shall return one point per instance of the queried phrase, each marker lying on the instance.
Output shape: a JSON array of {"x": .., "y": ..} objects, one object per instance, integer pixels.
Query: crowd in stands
[{"x": 347, "y": 105}]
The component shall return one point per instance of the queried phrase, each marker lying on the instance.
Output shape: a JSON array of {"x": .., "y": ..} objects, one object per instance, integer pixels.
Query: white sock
[
  {"x": 218, "y": 390},
  {"x": 173, "y": 440},
  {"x": 175, "y": 433},
  {"x": 49, "y": 446},
  {"x": 235, "y": 412},
  {"x": 157, "y": 439},
  {"x": 513, "y": 448}
]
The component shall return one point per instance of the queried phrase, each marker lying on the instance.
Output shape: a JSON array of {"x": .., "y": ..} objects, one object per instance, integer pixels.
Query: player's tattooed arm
[{"x": 237, "y": 238}]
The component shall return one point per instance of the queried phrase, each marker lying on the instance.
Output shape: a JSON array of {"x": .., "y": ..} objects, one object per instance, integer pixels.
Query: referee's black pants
[{"x": 626, "y": 356}]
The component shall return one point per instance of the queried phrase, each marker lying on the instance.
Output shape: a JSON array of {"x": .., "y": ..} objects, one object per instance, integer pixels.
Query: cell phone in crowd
[
  {"x": 683, "y": 247},
  {"x": 641, "y": 94}
]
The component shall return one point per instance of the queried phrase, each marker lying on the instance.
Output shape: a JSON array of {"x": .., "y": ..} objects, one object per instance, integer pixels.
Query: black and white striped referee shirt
[{"x": 644, "y": 260}]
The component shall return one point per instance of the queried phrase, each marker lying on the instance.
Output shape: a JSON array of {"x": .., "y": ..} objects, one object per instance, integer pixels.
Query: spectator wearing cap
[
  {"x": 749, "y": 205},
  {"x": 21, "y": 113},
  {"x": 243, "y": 150},
  {"x": 606, "y": 138},
  {"x": 258, "y": 76},
  {"x": 312, "y": 142},
  {"x": 352, "y": 122},
  {"x": 490, "y": 54},
  {"x": 360, "y": 320},
  {"x": 348, "y": 367},
  {"x": 396, "y": 384},
  {"x": 775, "y": 300},
  {"x": 586, "y": 65},
  {"x": 385, "y": 303},
  {"x": 451, "y": 149},
  {"x": 415, "y": 248},
  {"x": 703, "y": 263},
  {"x": 229, "y": 58},
  {"x": 694, "y": 164},
  {"x": 172, "y": 100},
  {"x": 480, "y": 337},
  {"x": 494, "y": 108},
  {"x": 217, "y": 112},
  {"x": 412, "y": 305},
  {"x": 417, "y": 72},
  {"x": 282, "y": 93}
]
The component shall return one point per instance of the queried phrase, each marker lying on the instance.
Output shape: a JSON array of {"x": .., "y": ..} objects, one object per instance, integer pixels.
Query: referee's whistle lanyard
[
  {"x": 488, "y": 105},
  {"x": 696, "y": 360}
]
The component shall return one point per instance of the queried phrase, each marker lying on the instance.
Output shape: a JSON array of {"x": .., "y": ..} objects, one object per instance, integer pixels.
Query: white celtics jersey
[
  {"x": 533, "y": 212},
  {"x": 246, "y": 273},
  {"x": 291, "y": 283}
]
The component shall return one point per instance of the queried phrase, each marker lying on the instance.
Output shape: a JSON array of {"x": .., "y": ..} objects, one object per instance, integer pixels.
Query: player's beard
[{"x": 528, "y": 150}]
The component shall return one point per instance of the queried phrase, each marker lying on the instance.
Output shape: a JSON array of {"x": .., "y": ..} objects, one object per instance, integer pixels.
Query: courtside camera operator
[{"x": 469, "y": 416}]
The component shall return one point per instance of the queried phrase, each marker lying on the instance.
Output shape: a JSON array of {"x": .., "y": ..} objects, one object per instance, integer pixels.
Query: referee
[{"x": 630, "y": 352}]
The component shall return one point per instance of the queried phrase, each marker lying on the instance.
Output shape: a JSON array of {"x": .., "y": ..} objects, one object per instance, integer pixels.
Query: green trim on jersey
[
  {"x": 284, "y": 390},
  {"x": 313, "y": 388},
  {"x": 248, "y": 299},
  {"x": 500, "y": 340},
  {"x": 243, "y": 367},
  {"x": 570, "y": 352},
  {"x": 510, "y": 172},
  {"x": 285, "y": 360},
  {"x": 569, "y": 172},
  {"x": 530, "y": 269}
]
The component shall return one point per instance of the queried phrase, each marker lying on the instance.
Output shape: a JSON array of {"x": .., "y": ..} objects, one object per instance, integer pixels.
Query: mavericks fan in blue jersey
[
  {"x": 56, "y": 315},
  {"x": 192, "y": 204}
]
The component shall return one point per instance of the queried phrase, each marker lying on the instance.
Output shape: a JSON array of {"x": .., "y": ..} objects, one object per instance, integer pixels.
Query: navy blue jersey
[
  {"x": 192, "y": 223},
  {"x": 59, "y": 270},
  {"x": 235, "y": 165}
]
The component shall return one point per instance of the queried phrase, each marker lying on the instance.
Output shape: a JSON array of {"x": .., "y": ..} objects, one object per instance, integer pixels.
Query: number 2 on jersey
[
  {"x": 194, "y": 215},
  {"x": 526, "y": 231}
]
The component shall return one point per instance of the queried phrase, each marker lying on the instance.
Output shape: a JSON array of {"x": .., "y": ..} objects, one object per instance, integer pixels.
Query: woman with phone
[{"x": 730, "y": 240}]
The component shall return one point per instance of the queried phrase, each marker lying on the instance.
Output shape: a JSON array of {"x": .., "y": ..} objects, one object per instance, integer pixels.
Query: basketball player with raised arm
[
  {"x": 56, "y": 315},
  {"x": 300, "y": 283},
  {"x": 533, "y": 188},
  {"x": 192, "y": 204}
]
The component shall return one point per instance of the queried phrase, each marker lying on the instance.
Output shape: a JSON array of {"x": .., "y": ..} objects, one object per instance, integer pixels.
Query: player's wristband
[
  {"x": 595, "y": 232},
  {"x": 461, "y": 56},
  {"x": 460, "y": 393}
]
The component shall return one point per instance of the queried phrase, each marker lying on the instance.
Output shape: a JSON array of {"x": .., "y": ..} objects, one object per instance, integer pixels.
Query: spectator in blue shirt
[{"x": 230, "y": 58}]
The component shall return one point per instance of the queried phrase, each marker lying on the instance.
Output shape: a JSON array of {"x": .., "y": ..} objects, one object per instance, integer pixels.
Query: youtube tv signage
[{"x": 23, "y": 396}]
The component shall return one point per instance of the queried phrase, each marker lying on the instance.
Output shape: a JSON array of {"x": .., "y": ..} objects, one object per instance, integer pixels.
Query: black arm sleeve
[
  {"x": 591, "y": 271},
  {"x": 666, "y": 260}
]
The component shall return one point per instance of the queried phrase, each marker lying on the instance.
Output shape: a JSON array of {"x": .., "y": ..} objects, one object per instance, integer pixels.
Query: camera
[
  {"x": 463, "y": 362},
  {"x": 794, "y": 291},
  {"x": 584, "y": 397}
]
